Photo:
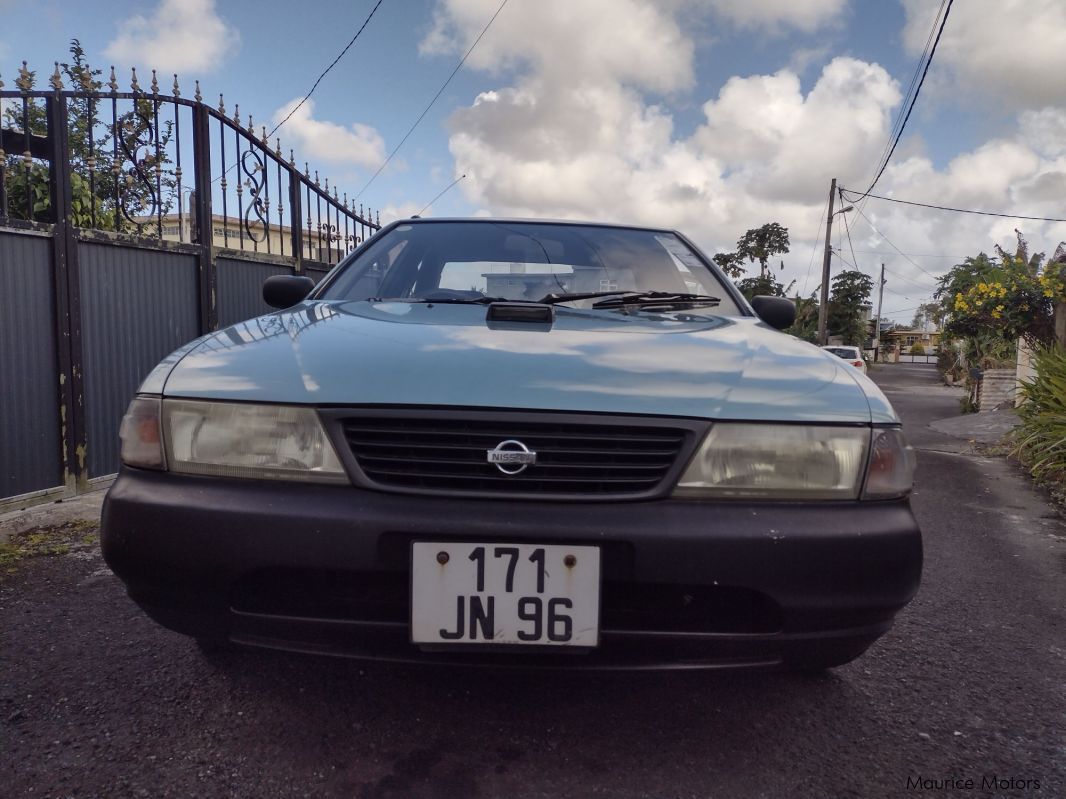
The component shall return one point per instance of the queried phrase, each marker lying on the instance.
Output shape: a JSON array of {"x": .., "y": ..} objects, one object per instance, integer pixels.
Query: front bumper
[{"x": 686, "y": 584}]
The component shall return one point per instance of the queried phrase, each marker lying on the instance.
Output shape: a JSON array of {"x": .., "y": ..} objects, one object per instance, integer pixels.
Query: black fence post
[
  {"x": 296, "y": 220},
  {"x": 67, "y": 300},
  {"x": 205, "y": 223}
]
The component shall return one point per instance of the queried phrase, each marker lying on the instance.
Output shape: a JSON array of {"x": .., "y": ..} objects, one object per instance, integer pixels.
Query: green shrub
[
  {"x": 1042, "y": 437},
  {"x": 917, "y": 348}
]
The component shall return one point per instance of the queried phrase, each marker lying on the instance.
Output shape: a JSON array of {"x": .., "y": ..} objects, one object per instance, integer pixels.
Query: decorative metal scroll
[
  {"x": 257, "y": 201},
  {"x": 138, "y": 139},
  {"x": 125, "y": 155}
]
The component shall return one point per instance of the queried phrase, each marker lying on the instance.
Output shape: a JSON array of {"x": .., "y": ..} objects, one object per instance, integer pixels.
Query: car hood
[{"x": 691, "y": 364}]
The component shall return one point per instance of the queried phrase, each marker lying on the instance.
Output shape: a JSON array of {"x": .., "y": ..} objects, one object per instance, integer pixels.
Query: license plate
[{"x": 543, "y": 595}]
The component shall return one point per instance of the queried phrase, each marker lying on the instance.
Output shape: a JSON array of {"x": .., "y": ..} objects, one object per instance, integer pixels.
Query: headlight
[
  {"x": 141, "y": 444},
  {"x": 232, "y": 439},
  {"x": 891, "y": 472},
  {"x": 776, "y": 461}
]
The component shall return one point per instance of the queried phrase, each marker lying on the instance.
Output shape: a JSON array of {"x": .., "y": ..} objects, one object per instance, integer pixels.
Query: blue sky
[{"x": 596, "y": 108}]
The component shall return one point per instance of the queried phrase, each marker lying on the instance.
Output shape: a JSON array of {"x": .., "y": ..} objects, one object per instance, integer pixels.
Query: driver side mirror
[
  {"x": 285, "y": 291},
  {"x": 778, "y": 312}
]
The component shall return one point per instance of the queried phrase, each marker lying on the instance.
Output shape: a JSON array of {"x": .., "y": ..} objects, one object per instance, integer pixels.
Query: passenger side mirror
[
  {"x": 285, "y": 291},
  {"x": 778, "y": 312}
]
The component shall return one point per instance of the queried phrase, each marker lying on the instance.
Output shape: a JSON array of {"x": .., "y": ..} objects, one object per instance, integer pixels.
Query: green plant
[
  {"x": 1042, "y": 438},
  {"x": 1008, "y": 295},
  {"x": 990, "y": 351},
  {"x": 851, "y": 291},
  {"x": 947, "y": 360},
  {"x": 114, "y": 192},
  {"x": 917, "y": 348},
  {"x": 758, "y": 244}
]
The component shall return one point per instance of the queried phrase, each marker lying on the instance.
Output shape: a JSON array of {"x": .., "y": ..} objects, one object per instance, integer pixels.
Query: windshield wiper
[
  {"x": 647, "y": 299},
  {"x": 444, "y": 300},
  {"x": 551, "y": 299}
]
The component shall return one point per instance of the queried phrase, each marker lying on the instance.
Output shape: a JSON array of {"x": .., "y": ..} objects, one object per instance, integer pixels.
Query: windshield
[{"x": 522, "y": 261}]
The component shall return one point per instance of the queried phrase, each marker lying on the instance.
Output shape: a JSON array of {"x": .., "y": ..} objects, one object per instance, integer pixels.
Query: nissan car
[{"x": 517, "y": 443}]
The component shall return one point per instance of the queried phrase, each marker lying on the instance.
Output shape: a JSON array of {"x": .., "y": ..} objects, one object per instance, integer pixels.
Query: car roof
[{"x": 521, "y": 221}]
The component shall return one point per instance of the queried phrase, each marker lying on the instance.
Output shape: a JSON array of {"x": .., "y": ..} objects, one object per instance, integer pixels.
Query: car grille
[{"x": 574, "y": 458}]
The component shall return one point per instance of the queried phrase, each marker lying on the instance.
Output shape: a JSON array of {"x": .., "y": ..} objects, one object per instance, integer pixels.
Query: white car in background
[{"x": 850, "y": 354}]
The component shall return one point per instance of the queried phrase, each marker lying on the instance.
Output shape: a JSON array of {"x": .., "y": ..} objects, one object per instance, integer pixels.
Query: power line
[
  {"x": 908, "y": 280},
  {"x": 910, "y": 254},
  {"x": 894, "y": 247},
  {"x": 901, "y": 296},
  {"x": 848, "y": 229},
  {"x": 914, "y": 99},
  {"x": 425, "y": 111},
  {"x": 955, "y": 210},
  {"x": 307, "y": 96},
  {"x": 325, "y": 72},
  {"x": 910, "y": 88},
  {"x": 814, "y": 250},
  {"x": 901, "y": 310}
]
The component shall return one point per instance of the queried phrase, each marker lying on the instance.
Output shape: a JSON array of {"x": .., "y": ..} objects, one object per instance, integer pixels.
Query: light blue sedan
[{"x": 525, "y": 443}]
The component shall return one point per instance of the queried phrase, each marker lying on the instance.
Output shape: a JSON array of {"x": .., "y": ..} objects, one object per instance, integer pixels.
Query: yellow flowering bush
[{"x": 1010, "y": 297}]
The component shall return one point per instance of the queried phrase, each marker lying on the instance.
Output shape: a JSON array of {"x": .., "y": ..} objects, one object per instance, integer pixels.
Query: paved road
[{"x": 97, "y": 701}]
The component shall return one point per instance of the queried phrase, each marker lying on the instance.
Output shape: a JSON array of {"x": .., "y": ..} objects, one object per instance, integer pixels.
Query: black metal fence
[{"x": 130, "y": 222}]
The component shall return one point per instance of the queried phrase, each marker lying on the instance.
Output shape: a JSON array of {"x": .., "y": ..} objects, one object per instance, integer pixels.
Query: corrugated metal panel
[
  {"x": 316, "y": 273},
  {"x": 138, "y": 306},
  {"x": 240, "y": 289},
  {"x": 30, "y": 448}
]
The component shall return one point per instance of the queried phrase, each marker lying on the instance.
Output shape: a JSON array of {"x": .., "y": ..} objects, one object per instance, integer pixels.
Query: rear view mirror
[
  {"x": 284, "y": 291},
  {"x": 778, "y": 312}
]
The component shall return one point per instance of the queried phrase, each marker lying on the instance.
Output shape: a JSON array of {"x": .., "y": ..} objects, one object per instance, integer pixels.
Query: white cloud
[
  {"x": 600, "y": 152},
  {"x": 1011, "y": 51},
  {"x": 1045, "y": 130},
  {"x": 357, "y": 145},
  {"x": 559, "y": 137},
  {"x": 393, "y": 211},
  {"x": 179, "y": 36},
  {"x": 1009, "y": 174},
  {"x": 806, "y": 15},
  {"x": 779, "y": 143},
  {"x": 590, "y": 41}
]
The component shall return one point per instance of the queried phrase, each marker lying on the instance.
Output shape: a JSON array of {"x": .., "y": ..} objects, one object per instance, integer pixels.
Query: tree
[
  {"x": 729, "y": 263},
  {"x": 806, "y": 324},
  {"x": 758, "y": 244},
  {"x": 761, "y": 244},
  {"x": 927, "y": 312},
  {"x": 93, "y": 192},
  {"x": 850, "y": 292},
  {"x": 999, "y": 299},
  {"x": 762, "y": 285}
]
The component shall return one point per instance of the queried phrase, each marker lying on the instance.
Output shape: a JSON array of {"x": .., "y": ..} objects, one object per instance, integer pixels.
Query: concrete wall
[{"x": 997, "y": 388}]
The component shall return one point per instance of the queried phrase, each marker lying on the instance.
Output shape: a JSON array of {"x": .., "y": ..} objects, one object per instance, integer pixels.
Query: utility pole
[
  {"x": 877, "y": 327},
  {"x": 823, "y": 305}
]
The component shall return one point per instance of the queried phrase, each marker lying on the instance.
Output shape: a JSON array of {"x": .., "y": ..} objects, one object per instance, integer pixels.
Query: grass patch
[
  {"x": 53, "y": 540},
  {"x": 1041, "y": 439}
]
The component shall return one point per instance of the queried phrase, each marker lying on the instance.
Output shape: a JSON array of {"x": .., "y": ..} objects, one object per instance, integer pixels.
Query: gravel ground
[{"x": 95, "y": 700}]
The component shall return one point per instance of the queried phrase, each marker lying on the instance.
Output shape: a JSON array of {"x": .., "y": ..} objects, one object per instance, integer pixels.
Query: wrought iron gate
[{"x": 131, "y": 222}]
